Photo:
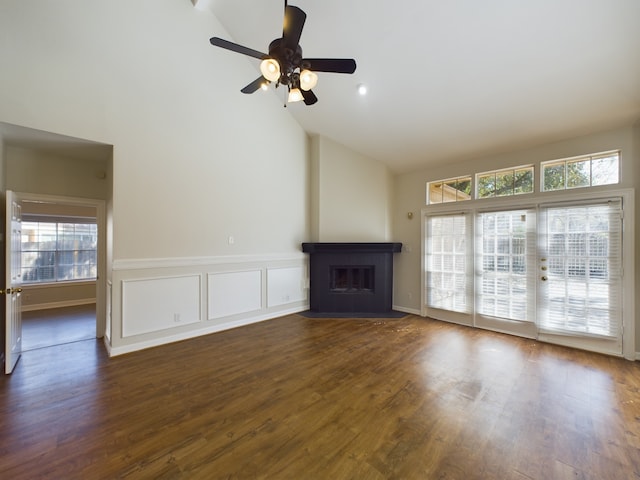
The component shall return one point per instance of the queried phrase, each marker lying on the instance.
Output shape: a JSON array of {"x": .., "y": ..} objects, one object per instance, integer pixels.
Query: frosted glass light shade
[
  {"x": 270, "y": 69},
  {"x": 295, "y": 95},
  {"x": 308, "y": 80}
]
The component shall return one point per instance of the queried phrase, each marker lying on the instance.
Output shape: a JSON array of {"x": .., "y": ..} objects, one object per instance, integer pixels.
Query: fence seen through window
[{"x": 58, "y": 252}]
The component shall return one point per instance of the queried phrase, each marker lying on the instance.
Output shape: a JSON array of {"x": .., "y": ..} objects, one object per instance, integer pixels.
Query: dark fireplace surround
[{"x": 351, "y": 277}]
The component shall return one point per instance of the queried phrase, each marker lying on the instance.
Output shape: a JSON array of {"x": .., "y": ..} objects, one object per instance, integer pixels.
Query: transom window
[
  {"x": 452, "y": 190},
  {"x": 577, "y": 172},
  {"x": 58, "y": 251},
  {"x": 500, "y": 183}
]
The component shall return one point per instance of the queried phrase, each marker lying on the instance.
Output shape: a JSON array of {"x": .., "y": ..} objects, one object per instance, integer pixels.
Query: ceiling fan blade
[
  {"x": 335, "y": 65},
  {"x": 234, "y": 47},
  {"x": 255, "y": 85},
  {"x": 292, "y": 29},
  {"x": 309, "y": 97}
]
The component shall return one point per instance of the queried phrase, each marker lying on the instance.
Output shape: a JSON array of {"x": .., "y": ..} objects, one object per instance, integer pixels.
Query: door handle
[
  {"x": 543, "y": 278},
  {"x": 9, "y": 291}
]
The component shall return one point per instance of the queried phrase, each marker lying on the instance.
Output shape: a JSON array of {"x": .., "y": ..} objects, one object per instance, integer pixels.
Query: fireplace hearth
[{"x": 351, "y": 277}]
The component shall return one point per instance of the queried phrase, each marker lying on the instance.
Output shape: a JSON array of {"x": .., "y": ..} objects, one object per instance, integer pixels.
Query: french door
[
  {"x": 505, "y": 262},
  {"x": 548, "y": 271},
  {"x": 580, "y": 270}
]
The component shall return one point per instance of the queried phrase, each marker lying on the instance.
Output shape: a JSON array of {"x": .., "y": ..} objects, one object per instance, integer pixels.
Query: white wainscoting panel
[
  {"x": 153, "y": 304},
  {"x": 285, "y": 285},
  {"x": 158, "y": 301},
  {"x": 233, "y": 293}
]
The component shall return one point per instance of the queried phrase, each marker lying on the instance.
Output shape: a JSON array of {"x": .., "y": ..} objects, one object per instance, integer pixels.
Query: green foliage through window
[
  {"x": 578, "y": 172},
  {"x": 501, "y": 183},
  {"x": 587, "y": 171}
]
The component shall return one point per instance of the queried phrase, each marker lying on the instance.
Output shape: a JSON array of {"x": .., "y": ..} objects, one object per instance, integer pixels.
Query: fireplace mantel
[
  {"x": 352, "y": 247},
  {"x": 351, "y": 277}
]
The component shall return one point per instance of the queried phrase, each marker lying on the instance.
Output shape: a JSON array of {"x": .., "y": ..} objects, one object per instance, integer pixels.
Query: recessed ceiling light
[{"x": 362, "y": 89}]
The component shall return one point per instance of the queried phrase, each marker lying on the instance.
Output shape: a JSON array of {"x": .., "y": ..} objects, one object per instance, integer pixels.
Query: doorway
[
  {"x": 62, "y": 260},
  {"x": 61, "y": 169}
]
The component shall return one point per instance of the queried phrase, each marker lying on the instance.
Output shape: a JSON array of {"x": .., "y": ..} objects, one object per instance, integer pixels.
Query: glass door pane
[
  {"x": 580, "y": 275},
  {"x": 505, "y": 263},
  {"x": 449, "y": 268}
]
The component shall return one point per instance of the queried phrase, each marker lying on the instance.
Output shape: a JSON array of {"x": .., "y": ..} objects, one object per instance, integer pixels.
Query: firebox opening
[{"x": 349, "y": 279}]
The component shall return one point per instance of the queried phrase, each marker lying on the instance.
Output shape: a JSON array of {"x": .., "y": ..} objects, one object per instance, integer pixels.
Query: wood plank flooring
[
  {"x": 55, "y": 326},
  {"x": 301, "y": 398}
]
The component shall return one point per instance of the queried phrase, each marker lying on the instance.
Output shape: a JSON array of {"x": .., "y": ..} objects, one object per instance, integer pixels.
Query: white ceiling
[
  {"x": 460, "y": 79},
  {"x": 52, "y": 143}
]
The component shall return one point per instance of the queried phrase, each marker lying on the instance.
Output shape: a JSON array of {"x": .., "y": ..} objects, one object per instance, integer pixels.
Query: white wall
[
  {"x": 410, "y": 195},
  {"x": 189, "y": 153},
  {"x": 351, "y": 195},
  {"x": 33, "y": 171},
  {"x": 194, "y": 160}
]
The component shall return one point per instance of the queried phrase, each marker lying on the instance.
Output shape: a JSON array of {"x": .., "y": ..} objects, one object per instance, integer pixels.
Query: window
[
  {"x": 501, "y": 183},
  {"x": 583, "y": 254},
  {"x": 578, "y": 172},
  {"x": 448, "y": 280},
  {"x": 58, "y": 251},
  {"x": 452, "y": 190},
  {"x": 547, "y": 271},
  {"x": 505, "y": 251}
]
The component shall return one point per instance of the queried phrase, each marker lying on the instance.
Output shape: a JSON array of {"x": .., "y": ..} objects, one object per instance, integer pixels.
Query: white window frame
[
  {"x": 536, "y": 200},
  {"x": 447, "y": 180},
  {"x": 589, "y": 157},
  {"x": 57, "y": 252},
  {"x": 460, "y": 317},
  {"x": 504, "y": 170}
]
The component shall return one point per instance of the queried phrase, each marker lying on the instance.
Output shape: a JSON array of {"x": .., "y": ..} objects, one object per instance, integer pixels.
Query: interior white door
[{"x": 13, "y": 290}]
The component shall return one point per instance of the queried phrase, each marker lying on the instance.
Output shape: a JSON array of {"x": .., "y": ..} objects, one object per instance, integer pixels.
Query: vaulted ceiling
[{"x": 450, "y": 81}]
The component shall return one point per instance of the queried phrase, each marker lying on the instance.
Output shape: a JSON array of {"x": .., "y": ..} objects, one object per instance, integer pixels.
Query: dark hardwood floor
[
  {"x": 304, "y": 398},
  {"x": 55, "y": 326}
]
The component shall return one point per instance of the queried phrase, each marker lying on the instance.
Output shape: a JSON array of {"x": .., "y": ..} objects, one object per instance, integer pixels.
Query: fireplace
[{"x": 351, "y": 277}]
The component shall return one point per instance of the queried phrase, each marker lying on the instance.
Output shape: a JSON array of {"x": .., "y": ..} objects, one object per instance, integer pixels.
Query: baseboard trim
[
  {"x": 156, "y": 342},
  {"x": 62, "y": 304},
  {"x": 411, "y": 311}
]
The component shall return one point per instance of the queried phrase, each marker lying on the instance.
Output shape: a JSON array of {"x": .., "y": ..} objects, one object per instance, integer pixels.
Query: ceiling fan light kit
[
  {"x": 295, "y": 95},
  {"x": 270, "y": 69},
  {"x": 285, "y": 65},
  {"x": 308, "y": 80}
]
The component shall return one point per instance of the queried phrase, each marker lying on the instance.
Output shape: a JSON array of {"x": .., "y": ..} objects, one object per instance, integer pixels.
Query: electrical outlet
[{"x": 176, "y": 318}]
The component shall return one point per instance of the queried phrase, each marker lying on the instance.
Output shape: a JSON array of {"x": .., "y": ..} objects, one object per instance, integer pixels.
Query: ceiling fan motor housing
[{"x": 288, "y": 59}]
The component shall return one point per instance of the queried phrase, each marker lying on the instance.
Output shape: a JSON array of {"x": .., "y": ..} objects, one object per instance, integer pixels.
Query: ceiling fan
[{"x": 285, "y": 65}]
